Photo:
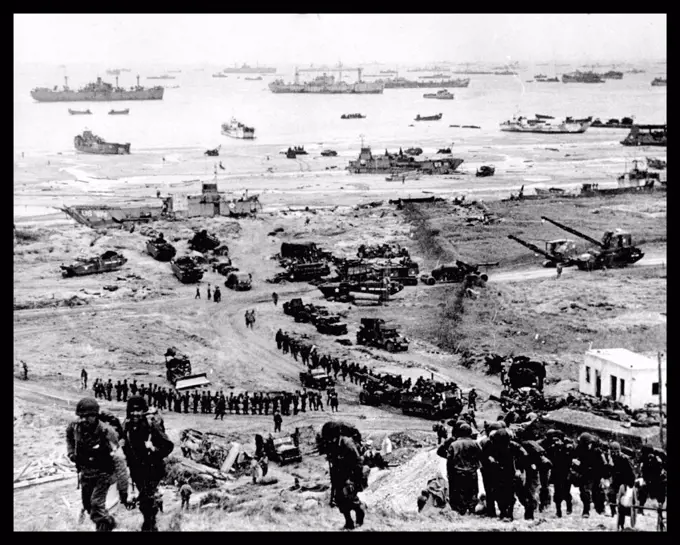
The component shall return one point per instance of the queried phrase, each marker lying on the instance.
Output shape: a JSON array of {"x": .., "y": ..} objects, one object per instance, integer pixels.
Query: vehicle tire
[
  {"x": 431, "y": 281},
  {"x": 389, "y": 346},
  {"x": 484, "y": 277}
]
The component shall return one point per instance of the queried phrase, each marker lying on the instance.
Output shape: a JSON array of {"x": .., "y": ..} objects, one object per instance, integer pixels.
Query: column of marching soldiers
[{"x": 217, "y": 403}]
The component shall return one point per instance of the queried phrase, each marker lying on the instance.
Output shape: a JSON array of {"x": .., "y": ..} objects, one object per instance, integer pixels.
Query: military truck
[
  {"x": 224, "y": 267},
  {"x": 455, "y": 272},
  {"x": 405, "y": 273},
  {"x": 435, "y": 406},
  {"x": 348, "y": 291},
  {"x": 381, "y": 250},
  {"x": 302, "y": 272},
  {"x": 281, "y": 448},
  {"x": 203, "y": 241},
  {"x": 108, "y": 261},
  {"x": 239, "y": 281},
  {"x": 316, "y": 378},
  {"x": 374, "y": 332},
  {"x": 301, "y": 312},
  {"x": 524, "y": 372},
  {"x": 375, "y": 392}
]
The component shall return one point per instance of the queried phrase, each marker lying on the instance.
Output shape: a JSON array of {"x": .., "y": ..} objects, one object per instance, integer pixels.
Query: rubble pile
[
  {"x": 613, "y": 410},
  {"x": 57, "y": 465}
]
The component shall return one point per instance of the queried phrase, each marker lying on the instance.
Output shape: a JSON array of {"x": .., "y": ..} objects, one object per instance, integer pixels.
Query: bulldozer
[
  {"x": 556, "y": 251},
  {"x": 178, "y": 366},
  {"x": 615, "y": 250},
  {"x": 374, "y": 332}
]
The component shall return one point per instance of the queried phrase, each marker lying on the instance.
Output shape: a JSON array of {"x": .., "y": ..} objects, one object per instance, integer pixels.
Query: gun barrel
[{"x": 574, "y": 232}]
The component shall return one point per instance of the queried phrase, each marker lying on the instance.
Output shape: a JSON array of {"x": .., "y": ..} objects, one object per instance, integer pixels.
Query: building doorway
[
  {"x": 614, "y": 382},
  {"x": 598, "y": 384}
]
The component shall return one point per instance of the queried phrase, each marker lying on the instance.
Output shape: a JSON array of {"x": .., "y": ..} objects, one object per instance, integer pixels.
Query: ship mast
[
  {"x": 65, "y": 82},
  {"x": 137, "y": 80}
]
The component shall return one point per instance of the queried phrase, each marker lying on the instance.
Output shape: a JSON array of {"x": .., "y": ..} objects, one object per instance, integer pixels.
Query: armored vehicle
[
  {"x": 329, "y": 325},
  {"x": 281, "y": 448},
  {"x": 177, "y": 366},
  {"x": 108, "y": 261},
  {"x": 374, "y": 332},
  {"x": 376, "y": 392},
  {"x": 203, "y": 241},
  {"x": 239, "y": 281},
  {"x": 224, "y": 267},
  {"x": 615, "y": 250},
  {"x": 316, "y": 378},
  {"x": 434, "y": 406},
  {"x": 186, "y": 269},
  {"x": 556, "y": 251},
  {"x": 160, "y": 249},
  {"x": 455, "y": 272}
]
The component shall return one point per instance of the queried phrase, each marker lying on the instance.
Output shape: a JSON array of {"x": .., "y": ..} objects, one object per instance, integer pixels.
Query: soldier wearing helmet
[
  {"x": 145, "y": 445},
  {"x": 89, "y": 447}
]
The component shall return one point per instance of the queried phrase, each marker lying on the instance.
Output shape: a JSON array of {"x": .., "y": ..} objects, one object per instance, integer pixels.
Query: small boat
[
  {"x": 441, "y": 95},
  {"x": 91, "y": 143},
  {"x": 548, "y": 80},
  {"x": 258, "y": 78},
  {"x": 471, "y": 127},
  {"x": 293, "y": 152},
  {"x": 213, "y": 152},
  {"x": 329, "y": 153},
  {"x": 220, "y": 75},
  {"x": 352, "y": 116},
  {"x": 120, "y": 112},
  {"x": 444, "y": 150},
  {"x": 428, "y": 117},
  {"x": 659, "y": 82},
  {"x": 625, "y": 123},
  {"x": 164, "y": 76},
  {"x": 79, "y": 112},
  {"x": 656, "y": 163}
]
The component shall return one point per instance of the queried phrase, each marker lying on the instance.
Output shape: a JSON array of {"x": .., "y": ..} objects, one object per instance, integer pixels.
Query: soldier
[
  {"x": 295, "y": 403},
  {"x": 83, "y": 379},
  {"x": 294, "y": 349},
  {"x": 560, "y": 452},
  {"x": 118, "y": 387},
  {"x": 231, "y": 402},
  {"x": 246, "y": 403},
  {"x": 537, "y": 466},
  {"x": 209, "y": 294},
  {"x": 185, "y": 492},
  {"x": 124, "y": 390},
  {"x": 109, "y": 389},
  {"x": 622, "y": 474},
  {"x": 590, "y": 463},
  {"x": 285, "y": 341},
  {"x": 279, "y": 339},
  {"x": 88, "y": 446},
  {"x": 145, "y": 446},
  {"x": 150, "y": 391},
  {"x": 133, "y": 387},
  {"x": 440, "y": 430},
  {"x": 217, "y": 296},
  {"x": 25, "y": 369},
  {"x": 472, "y": 400},
  {"x": 220, "y": 408},
  {"x": 502, "y": 457},
  {"x": 195, "y": 397},
  {"x": 198, "y": 294},
  {"x": 275, "y": 298},
  {"x": 654, "y": 475},
  {"x": 267, "y": 401},
  {"x": 463, "y": 460},
  {"x": 179, "y": 399},
  {"x": 185, "y": 401},
  {"x": 303, "y": 400},
  {"x": 558, "y": 267},
  {"x": 343, "y": 370},
  {"x": 278, "y": 420},
  {"x": 336, "y": 368},
  {"x": 334, "y": 402},
  {"x": 260, "y": 403},
  {"x": 339, "y": 443}
]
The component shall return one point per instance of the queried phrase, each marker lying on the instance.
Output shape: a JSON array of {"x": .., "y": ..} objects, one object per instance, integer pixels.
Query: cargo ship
[
  {"x": 659, "y": 82},
  {"x": 646, "y": 135},
  {"x": 327, "y": 85},
  {"x": 91, "y": 143},
  {"x": 99, "y": 91},
  {"x": 546, "y": 126},
  {"x": 582, "y": 77},
  {"x": 245, "y": 69},
  {"x": 162, "y": 76},
  {"x": 236, "y": 129},
  {"x": 399, "y": 163},
  {"x": 402, "y": 83},
  {"x": 612, "y": 74}
]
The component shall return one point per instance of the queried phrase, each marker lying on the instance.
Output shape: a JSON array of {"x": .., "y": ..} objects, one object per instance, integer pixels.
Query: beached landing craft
[
  {"x": 436, "y": 117},
  {"x": 399, "y": 163},
  {"x": 546, "y": 126},
  {"x": 236, "y": 129},
  {"x": 647, "y": 135},
  {"x": 120, "y": 112},
  {"x": 96, "y": 92},
  {"x": 90, "y": 143},
  {"x": 79, "y": 112}
]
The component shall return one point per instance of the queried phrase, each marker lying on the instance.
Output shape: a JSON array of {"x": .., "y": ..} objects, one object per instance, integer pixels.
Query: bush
[{"x": 26, "y": 237}]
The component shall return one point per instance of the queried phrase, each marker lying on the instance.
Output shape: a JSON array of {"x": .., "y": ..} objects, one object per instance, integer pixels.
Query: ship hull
[
  {"x": 427, "y": 84},
  {"x": 406, "y": 168},
  {"x": 104, "y": 148},
  {"x": 543, "y": 131},
  {"x": 329, "y": 91},
  {"x": 239, "y": 135},
  {"x": 553, "y": 129},
  {"x": 249, "y": 70},
  {"x": 93, "y": 96}
]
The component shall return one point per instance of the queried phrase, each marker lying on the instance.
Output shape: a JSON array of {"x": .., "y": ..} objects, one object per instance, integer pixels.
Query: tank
[
  {"x": 203, "y": 241},
  {"x": 186, "y": 269},
  {"x": 160, "y": 249},
  {"x": 108, "y": 261}
]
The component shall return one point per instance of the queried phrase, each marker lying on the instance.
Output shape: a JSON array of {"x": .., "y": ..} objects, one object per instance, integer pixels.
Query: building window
[
  {"x": 587, "y": 374},
  {"x": 622, "y": 387},
  {"x": 655, "y": 388}
]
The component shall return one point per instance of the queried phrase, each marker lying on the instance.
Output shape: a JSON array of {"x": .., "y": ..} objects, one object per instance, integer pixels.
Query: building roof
[{"x": 625, "y": 358}]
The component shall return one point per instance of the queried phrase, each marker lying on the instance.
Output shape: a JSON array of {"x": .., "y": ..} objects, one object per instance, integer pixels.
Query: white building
[{"x": 627, "y": 377}]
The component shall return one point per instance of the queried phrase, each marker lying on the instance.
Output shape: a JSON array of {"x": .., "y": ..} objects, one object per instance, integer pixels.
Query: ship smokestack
[
  {"x": 66, "y": 81},
  {"x": 137, "y": 80}
]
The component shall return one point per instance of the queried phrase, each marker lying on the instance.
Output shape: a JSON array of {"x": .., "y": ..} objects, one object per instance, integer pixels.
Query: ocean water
[{"x": 190, "y": 116}]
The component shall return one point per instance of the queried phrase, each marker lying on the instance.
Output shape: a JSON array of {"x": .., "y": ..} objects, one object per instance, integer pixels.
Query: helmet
[
  {"x": 136, "y": 403},
  {"x": 87, "y": 406},
  {"x": 615, "y": 447},
  {"x": 464, "y": 430}
]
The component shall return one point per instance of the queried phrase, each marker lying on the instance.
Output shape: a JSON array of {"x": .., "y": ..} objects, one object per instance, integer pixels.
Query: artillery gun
[
  {"x": 456, "y": 272},
  {"x": 615, "y": 250},
  {"x": 556, "y": 251},
  {"x": 374, "y": 332}
]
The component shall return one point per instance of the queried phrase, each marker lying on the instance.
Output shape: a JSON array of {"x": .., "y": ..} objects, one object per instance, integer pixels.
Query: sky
[{"x": 301, "y": 39}]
